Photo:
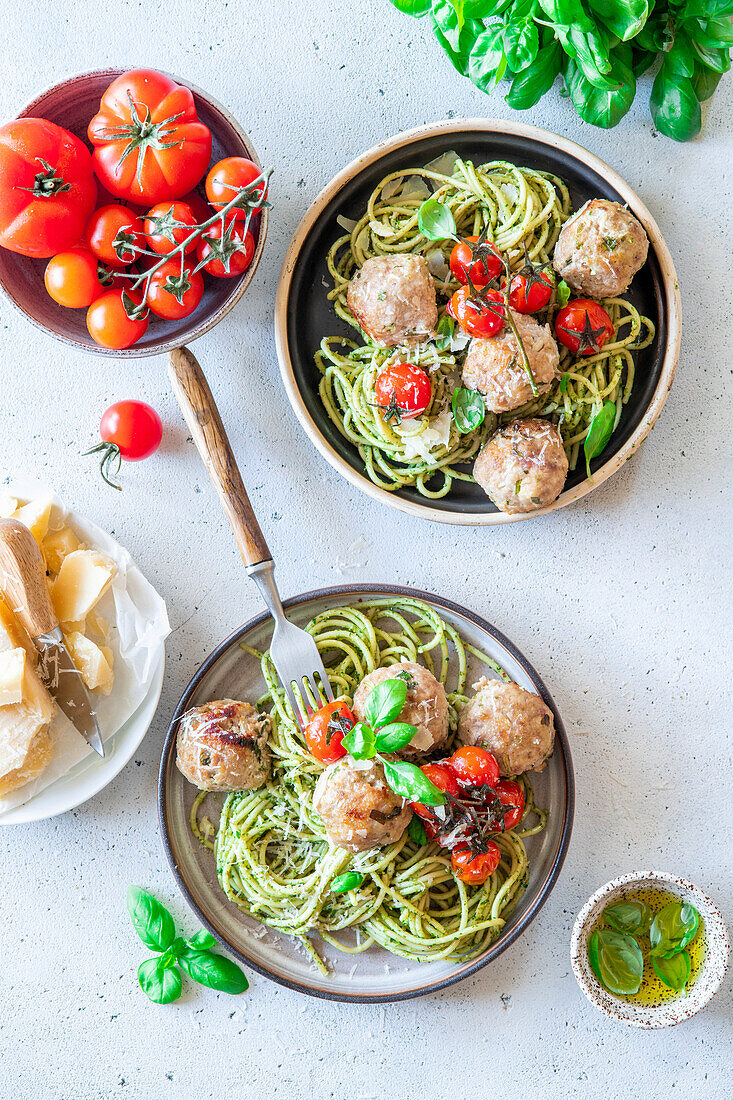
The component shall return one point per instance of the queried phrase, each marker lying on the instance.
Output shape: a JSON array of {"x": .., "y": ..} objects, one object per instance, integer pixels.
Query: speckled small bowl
[{"x": 707, "y": 983}]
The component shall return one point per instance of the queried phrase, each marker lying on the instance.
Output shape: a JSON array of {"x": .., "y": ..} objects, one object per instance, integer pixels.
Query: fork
[{"x": 294, "y": 652}]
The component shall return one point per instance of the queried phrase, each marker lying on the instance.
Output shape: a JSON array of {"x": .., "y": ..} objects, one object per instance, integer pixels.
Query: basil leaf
[
  {"x": 359, "y": 741},
  {"x": 385, "y": 702},
  {"x": 159, "y": 983},
  {"x": 413, "y": 7},
  {"x": 624, "y": 18},
  {"x": 673, "y": 971},
  {"x": 395, "y": 736},
  {"x": 487, "y": 63},
  {"x": 416, "y": 831},
  {"x": 715, "y": 32},
  {"x": 171, "y": 954},
  {"x": 435, "y": 221},
  {"x": 469, "y": 409},
  {"x": 151, "y": 920},
  {"x": 616, "y": 960},
  {"x": 521, "y": 43},
  {"x": 582, "y": 39},
  {"x": 603, "y": 106},
  {"x": 599, "y": 432},
  {"x": 713, "y": 57},
  {"x": 444, "y": 332},
  {"x": 215, "y": 971},
  {"x": 456, "y": 36},
  {"x": 633, "y": 917},
  {"x": 563, "y": 292},
  {"x": 564, "y": 383},
  {"x": 675, "y": 107},
  {"x": 673, "y": 928},
  {"x": 202, "y": 941},
  {"x": 529, "y": 86},
  {"x": 704, "y": 82},
  {"x": 411, "y": 783},
  {"x": 343, "y": 883}
]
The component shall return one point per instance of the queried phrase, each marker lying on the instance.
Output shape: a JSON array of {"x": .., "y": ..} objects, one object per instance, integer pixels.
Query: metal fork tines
[{"x": 294, "y": 652}]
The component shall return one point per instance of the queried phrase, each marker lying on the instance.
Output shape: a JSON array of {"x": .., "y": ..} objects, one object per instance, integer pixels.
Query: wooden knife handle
[
  {"x": 23, "y": 579},
  {"x": 202, "y": 416}
]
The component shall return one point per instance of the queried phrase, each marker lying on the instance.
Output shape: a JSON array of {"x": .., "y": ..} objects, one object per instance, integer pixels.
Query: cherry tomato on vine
[
  {"x": 109, "y": 324},
  {"x": 229, "y": 255},
  {"x": 530, "y": 294},
  {"x": 226, "y": 177},
  {"x": 115, "y": 223},
  {"x": 167, "y": 224},
  {"x": 72, "y": 278},
  {"x": 511, "y": 796},
  {"x": 403, "y": 391},
  {"x": 172, "y": 295},
  {"x": 482, "y": 269},
  {"x": 200, "y": 207},
  {"x": 478, "y": 316},
  {"x": 583, "y": 326},
  {"x": 129, "y": 429},
  {"x": 441, "y": 776},
  {"x": 474, "y": 766},
  {"x": 326, "y": 730},
  {"x": 474, "y": 869}
]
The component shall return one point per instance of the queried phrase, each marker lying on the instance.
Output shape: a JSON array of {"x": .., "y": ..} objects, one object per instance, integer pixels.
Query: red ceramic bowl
[{"x": 72, "y": 104}]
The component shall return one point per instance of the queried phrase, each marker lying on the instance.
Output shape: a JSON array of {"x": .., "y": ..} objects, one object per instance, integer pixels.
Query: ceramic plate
[
  {"x": 303, "y": 314},
  {"x": 376, "y": 975}
]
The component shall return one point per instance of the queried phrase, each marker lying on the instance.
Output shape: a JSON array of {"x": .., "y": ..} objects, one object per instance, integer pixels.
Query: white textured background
[{"x": 622, "y": 603}]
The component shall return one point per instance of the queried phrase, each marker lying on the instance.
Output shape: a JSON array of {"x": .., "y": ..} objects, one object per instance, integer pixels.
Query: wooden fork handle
[
  {"x": 23, "y": 579},
  {"x": 202, "y": 416}
]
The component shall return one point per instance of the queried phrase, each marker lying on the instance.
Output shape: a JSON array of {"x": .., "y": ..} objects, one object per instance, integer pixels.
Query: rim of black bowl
[
  {"x": 239, "y": 285},
  {"x": 304, "y": 265},
  {"x": 504, "y": 941}
]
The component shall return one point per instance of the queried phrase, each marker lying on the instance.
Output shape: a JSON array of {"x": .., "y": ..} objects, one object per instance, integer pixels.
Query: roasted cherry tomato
[
  {"x": 133, "y": 427},
  {"x": 72, "y": 278},
  {"x": 512, "y": 797},
  {"x": 478, "y": 316},
  {"x": 226, "y": 177},
  {"x": 168, "y": 224},
  {"x": 481, "y": 270},
  {"x": 529, "y": 293},
  {"x": 109, "y": 323},
  {"x": 229, "y": 255},
  {"x": 326, "y": 730},
  {"x": 403, "y": 391},
  {"x": 475, "y": 868},
  {"x": 474, "y": 766},
  {"x": 443, "y": 778},
  {"x": 583, "y": 326},
  {"x": 173, "y": 295},
  {"x": 115, "y": 223}
]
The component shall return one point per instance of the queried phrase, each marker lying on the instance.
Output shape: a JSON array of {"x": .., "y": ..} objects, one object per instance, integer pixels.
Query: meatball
[
  {"x": 393, "y": 299},
  {"x": 513, "y": 724},
  {"x": 426, "y": 706},
  {"x": 494, "y": 365},
  {"x": 523, "y": 466},
  {"x": 357, "y": 807},
  {"x": 600, "y": 249},
  {"x": 222, "y": 746}
]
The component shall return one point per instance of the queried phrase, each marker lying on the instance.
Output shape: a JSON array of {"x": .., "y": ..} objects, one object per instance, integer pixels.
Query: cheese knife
[{"x": 24, "y": 588}]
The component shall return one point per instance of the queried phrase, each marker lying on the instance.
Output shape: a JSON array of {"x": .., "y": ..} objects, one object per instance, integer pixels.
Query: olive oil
[{"x": 652, "y": 991}]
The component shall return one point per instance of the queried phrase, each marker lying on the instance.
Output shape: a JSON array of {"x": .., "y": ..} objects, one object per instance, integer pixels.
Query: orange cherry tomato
[
  {"x": 109, "y": 324},
  {"x": 168, "y": 224},
  {"x": 229, "y": 255},
  {"x": 512, "y": 798},
  {"x": 474, "y": 766},
  {"x": 474, "y": 869},
  {"x": 403, "y": 391},
  {"x": 72, "y": 278},
  {"x": 482, "y": 269},
  {"x": 115, "y": 223},
  {"x": 478, "y": 316},
  {"x": 172, "y": 295},
  {"x": 226, "y": 177},
  {"x": 327, "y": 729}
]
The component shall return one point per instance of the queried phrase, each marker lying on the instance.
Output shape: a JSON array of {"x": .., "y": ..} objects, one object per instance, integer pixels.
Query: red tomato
[
  {"x": 110, "y": 224},
  {"x": 326, "y": 730},
  {"x": 172, "y": 295},
  {"x": 47, "y": 187},
  {"x": 109, "y": 323},
  {"x": 228, "y": 175},
  {"x": 528, "y": 294},
  {"x": 168, "y": 224},
  {"x": 403, "y": 391},
  {"x": 149, "y": 143},
  {"x": 475, "y": 869},
  {"x": 229, "y": 255},
  {"x": 583, "y": 326},
  {"x": 478, "y": 316},
  {"x": 441, "y": 775},
  {"x": 512, "y": 797},
  {"x": 133, "y": 427},
  {"x": 474, "y": 766},
  {"x": 72, "y": 278},
  {"x": 201, "y": 209},
  {"x": 485, "y": 267}
]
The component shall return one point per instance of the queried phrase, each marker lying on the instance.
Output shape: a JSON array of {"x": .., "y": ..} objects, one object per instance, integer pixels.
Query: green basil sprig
[
  {"x": 599, "y": 432},
  {"x": 352, "y": 880},
  {"x": 616, "y": 960},
  {"x": 469, "y": 409},
  {"x": 416, "y": 830},
  {"x": 435, "y": 221},
  {"x": 159, "y": 977}
]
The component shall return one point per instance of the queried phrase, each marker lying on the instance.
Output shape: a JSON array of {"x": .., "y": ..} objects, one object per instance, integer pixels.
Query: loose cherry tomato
[
  {"x": 173, "y": 295},
  {"x": 326, "y": 730},
  {"x": 478, "y": 316},
  {"x": 108, "y": 321},
  {"x": 72, "y": 278},
  {"x": 529, "y": 293},
  {"x": 229, "y": 255},
  {"x": 226, "y": 177},
  {"x": 583, "y": 326},
  {"x": 403, "y": 391},
  {"x": 475, "y": 868},
  {"x": 167, "y": 224},
  {"x": 133, "y": 427},
  {"x": 482, "y": 264},
  {"x": 511, "y": 796},
  {"x": 441, "y": 776},
  {"x": 474, "y": 766},
  {"x": 115, "y": 223}
]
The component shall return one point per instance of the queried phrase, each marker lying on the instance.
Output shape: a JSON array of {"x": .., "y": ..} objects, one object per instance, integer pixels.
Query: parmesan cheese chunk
[
  {"x": 84, "y": 576},
  {"x": 24, "y": 745},
  {"x": 57, "y": 546},
  {"x": 35, "y": 515},
  {"x": 12, "y": 671},
  {"x": 94, "y": 662},
  {"x": 8, "y": 505}
]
